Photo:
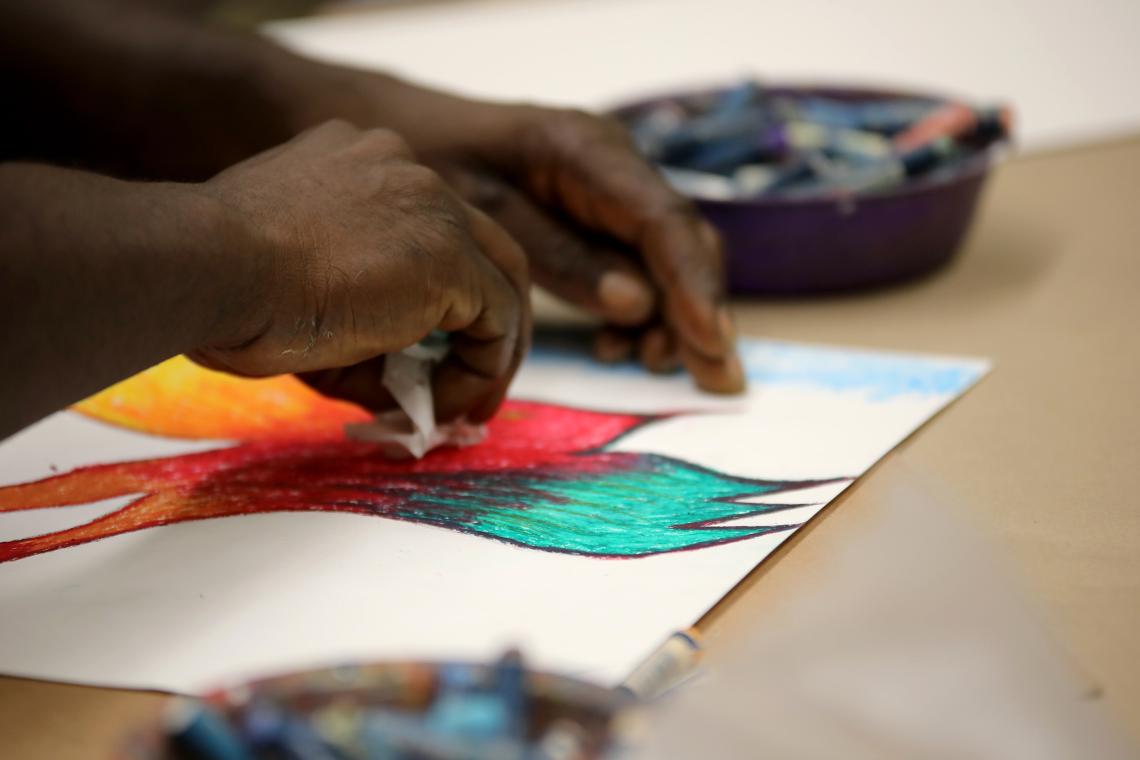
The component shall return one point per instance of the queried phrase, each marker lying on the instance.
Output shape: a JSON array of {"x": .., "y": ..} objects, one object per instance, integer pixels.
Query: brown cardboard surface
[{"x": 1044, "y": 454}]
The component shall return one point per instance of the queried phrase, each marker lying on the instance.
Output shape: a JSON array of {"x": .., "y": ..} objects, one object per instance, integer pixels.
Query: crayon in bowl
[
  {"x": 819, "y": 189},
  {"x": 747, "y": 142},
  {"x": 399, "y": 711}
]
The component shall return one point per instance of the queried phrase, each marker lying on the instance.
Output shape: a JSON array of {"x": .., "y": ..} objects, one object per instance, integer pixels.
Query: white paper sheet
[{"x": 572, "y": 552}]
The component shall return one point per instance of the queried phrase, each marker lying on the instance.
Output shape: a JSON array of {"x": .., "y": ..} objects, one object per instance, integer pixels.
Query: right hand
[{"x": 364, "y": 252}]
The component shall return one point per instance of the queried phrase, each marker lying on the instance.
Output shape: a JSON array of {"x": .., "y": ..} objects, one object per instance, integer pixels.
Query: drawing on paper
[{"x": 543, "y": 479}]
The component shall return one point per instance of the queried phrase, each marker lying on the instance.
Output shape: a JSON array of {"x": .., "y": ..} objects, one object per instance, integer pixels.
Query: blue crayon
[
  {"x": 202, "y": 733},
  {"x": 810, "y": 170},
  {"x": 723, "y": 156},
  {"x": 512, "y": 692},
  {"x": 272, "y": 730},
  {"x": 737, "y": 98},
  {"x": 698, "y": 133}
]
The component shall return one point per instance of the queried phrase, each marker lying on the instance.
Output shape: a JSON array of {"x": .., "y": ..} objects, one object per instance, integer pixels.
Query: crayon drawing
[
  {"x": 542, "y": 480},
  {"x": 185, "y": 527}
]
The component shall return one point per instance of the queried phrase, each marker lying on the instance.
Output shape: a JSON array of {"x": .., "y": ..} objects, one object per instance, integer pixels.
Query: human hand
[
  {"x": 601, "y": 229},
  {"x": 363, "y": 252}
]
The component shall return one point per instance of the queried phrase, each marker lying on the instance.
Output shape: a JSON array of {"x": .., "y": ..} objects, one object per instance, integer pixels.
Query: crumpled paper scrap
[{"x": 411, "y": 429}]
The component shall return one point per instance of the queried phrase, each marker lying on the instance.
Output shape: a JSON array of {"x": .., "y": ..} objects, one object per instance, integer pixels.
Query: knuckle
[
  {"x": 515, "y": 263},
  {"x": 481, "y": 190},
  {"x": 423, "y": 195},
  {"x": 334, "y": 128},
  {"x": 420, "y": 179},
  {"x": 712, "y": 239},
  {"x": 441, "y": 234},
  {"x": 560, "y": 129},
  {"x": 582, "y": 128},
  {"x": 669, "y": 207},
  {"x": 386, "y": 143}
]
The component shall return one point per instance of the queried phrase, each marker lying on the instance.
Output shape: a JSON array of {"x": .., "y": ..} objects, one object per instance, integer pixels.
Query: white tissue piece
[{"x": 411, "y": 430}]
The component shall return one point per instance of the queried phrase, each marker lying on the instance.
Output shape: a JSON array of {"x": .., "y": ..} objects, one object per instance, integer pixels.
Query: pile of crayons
[
  {"x": 403, "y": 711},
  {"x": 746, "y": 142}
]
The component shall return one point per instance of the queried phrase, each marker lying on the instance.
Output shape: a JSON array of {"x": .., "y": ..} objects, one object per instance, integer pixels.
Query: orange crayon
[{"x": 956, "y": 121}]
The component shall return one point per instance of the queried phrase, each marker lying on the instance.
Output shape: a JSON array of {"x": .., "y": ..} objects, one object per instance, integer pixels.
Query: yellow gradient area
[{"x": 180, "y": 399}]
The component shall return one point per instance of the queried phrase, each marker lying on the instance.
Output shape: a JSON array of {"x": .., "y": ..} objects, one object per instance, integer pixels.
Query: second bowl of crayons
[
  {"x": 397, "y": 711},
  {"x": 823, "y": 188}
]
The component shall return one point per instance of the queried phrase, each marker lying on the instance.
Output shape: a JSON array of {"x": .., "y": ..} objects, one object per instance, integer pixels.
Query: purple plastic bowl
[{"x": 779, "y": 246}]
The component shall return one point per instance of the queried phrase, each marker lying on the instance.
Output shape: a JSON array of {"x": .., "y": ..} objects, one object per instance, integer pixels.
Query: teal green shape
[{"x": 623, "y": 505}]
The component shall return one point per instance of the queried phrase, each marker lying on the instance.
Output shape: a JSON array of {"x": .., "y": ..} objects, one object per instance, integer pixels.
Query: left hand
[
  {"x": 599, "y": 225},
  {"x": 603, "y": 230}
]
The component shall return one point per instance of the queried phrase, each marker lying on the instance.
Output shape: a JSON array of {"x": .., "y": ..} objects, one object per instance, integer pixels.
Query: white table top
[{"x": 1068, "y": 67}]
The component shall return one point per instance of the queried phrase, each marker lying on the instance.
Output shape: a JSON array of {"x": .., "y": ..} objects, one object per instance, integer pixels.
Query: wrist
[
  {"x": 435, "y": 123},
  {"x": 229, "y": 264}
]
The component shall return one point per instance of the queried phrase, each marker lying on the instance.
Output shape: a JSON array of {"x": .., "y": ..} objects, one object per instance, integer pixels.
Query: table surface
[
  {"x": 1068, "y": 70},
  {"x": 1042, "y": 455}
]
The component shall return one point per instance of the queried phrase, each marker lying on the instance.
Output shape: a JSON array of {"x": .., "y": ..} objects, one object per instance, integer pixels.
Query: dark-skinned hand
[
  {"x": 602, "y": 230},
  {"x": 365, "y": 252},
  {"x": 598, "y": 225}
]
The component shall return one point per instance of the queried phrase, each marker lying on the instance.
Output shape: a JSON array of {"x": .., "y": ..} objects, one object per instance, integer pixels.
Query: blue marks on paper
[{"x": 880, "y": 376}]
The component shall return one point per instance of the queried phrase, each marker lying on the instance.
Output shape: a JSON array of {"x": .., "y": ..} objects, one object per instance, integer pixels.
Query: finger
[
  {"x": 714, "y": 375},
  {"x": 575, "y": 264},
  {"x": 684, "y": 255},
  {"x": 360, "y": 384},
  {"x": 506, "y": 254},
  {"x": 604, "y": 184},
  {"x": 619, "y": 193},
  {"x": 487, "y": 350},
  {"x": 477, "y": 368},
  {"x": 325, "y": 135},
  {"x": 612, "y": 346},
  {"x": 658, "y": 351},
  {"x": 385, "y": 145}
]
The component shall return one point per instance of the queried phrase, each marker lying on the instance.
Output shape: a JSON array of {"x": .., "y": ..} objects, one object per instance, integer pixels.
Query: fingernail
[
  {"x": 731, "y": 376},
  {"x": 624, "y": 295}
]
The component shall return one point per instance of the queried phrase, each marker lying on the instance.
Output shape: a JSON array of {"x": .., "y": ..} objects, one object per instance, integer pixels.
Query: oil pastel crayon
[
  {"x": 994, "y": 122},
  {"x": 704, "y": 185},
  {"x": 810, "y": 170},
  {"x": 895, "y": 170},
  {"x": 198, "y": 731},
  {"x": 953, "y": 120},
  {"x": 702, "y": 129},
  {"x": 724, "y": 155},
  {"x": 765, "y": 141},
  {"x": 751, "y": 180},
  {"x": 269, "y": 729},
  {"x": 667, "y": 666},
  {"x": 512, "y": 692},
  {"x": 846, "y": 143},
  {"x": 884, "y": 116},
  {"x": 738, "y": 97}
]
